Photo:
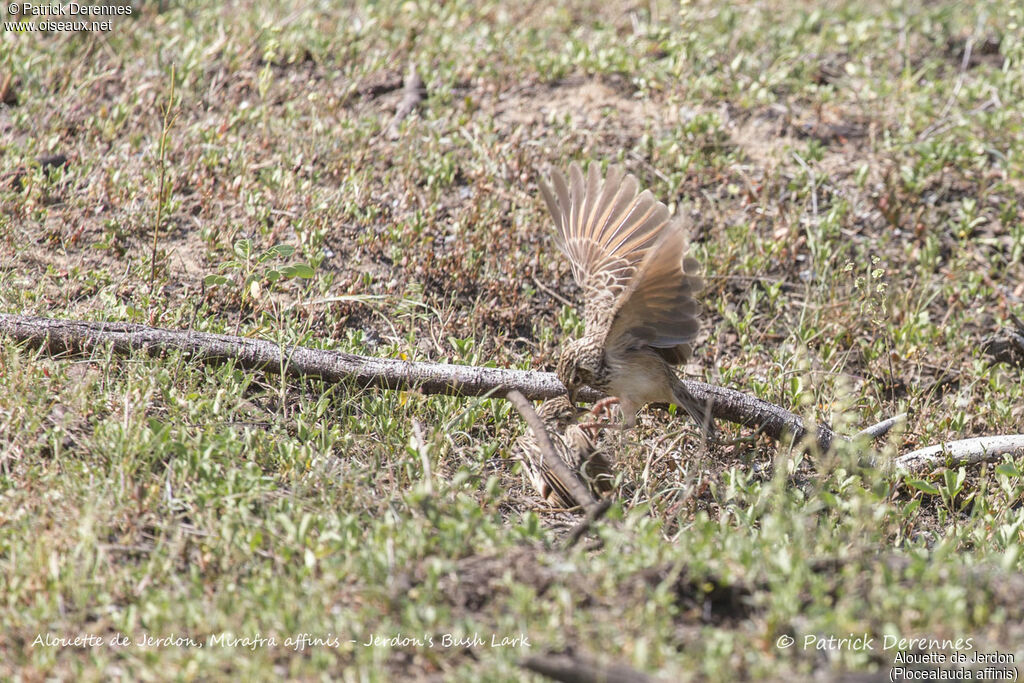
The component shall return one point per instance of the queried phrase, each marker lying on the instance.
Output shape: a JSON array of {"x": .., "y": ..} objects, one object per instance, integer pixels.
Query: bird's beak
[{"x": 573, "y": 392}]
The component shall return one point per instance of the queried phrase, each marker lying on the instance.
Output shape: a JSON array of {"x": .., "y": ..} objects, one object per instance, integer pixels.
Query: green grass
[{"x": 854, "y": 177}]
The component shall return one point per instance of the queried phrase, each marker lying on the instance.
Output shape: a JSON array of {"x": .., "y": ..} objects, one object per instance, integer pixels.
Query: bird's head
[{"x": 578, "y": 365}]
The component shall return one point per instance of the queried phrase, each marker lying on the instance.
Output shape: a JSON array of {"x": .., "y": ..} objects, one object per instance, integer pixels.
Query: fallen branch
[
  {"x": 570, "y": 668},
  {"x": 577, "y": 488},
  {"x": 593, "y": 514},
  {"x": 965, "y": 452},
  {"x": 60, "y": 337},
  {"x": 882, "y": 428},
  {"x": 413, "y": 93}
]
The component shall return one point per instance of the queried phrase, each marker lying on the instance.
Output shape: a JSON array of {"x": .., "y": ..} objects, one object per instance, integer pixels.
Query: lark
[
  {"x": 629, "y": 257},
  {"x": 578, "y": 447}
]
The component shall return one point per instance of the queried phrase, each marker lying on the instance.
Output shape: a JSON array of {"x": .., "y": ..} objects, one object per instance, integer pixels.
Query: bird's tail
[{"x": 698, "y": 410}]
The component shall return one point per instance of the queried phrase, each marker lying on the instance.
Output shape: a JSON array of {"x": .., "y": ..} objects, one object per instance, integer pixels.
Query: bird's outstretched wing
[
  {"x": 659, "y": 308},
  {"x": 627, "y": 255}
]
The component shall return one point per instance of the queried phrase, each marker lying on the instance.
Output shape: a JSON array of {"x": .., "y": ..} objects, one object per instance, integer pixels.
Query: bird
[
  {"x": 630, "y": 258},
  {"x": 578, "y": 447}
]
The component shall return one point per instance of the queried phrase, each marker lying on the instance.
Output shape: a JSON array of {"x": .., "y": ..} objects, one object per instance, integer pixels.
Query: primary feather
[{"x": 626, "y": 254}]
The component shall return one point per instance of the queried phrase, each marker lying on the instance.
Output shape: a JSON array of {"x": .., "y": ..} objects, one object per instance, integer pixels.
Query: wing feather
[
  {"x": 659, "y": 308},
  {"x": 603, "y": 226},
  {"x": 629, "y": 256}
]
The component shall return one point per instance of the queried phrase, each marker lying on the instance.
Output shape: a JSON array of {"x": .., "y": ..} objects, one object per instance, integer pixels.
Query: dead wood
[
  {"x": 593, "y": 514},
  {"x": 413, "y": 92},
  {"x": 965, "y": 452},
  {"x": 880, "y": 429},
  {"x": 78, "y": 337},
  {"x": 572, "y": 668}
]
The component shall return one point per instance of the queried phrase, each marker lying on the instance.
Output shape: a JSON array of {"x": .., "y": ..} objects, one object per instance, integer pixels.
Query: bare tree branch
[
  {"x": 593, "y": 514},
  {"x": 58, "y": 337},
  {"x": 965, "y": 452},
  {"x": 571, "y": 668},
  {"x": 77, "y": 337},
  {"x": 882, "y": 428},
  {"x": 413, "y": 92}
]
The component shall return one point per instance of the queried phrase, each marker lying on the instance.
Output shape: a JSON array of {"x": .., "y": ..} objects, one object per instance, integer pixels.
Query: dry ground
[{"x": 853, "y": 175}]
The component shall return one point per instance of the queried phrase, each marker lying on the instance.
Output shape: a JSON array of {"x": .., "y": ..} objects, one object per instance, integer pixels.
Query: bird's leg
[
  {"x": 602, "y": 407},
  {"x": 593, "y": 429}
]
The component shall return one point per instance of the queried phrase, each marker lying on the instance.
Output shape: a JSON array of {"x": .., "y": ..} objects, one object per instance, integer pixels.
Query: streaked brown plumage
[
  {"x": 628, "y": 255},
  {"x": 573, "y": 445}
]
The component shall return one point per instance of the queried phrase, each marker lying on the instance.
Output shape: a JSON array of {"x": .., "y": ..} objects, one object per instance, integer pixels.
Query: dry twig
[
  {"x": 571, "y": 668},
  {"x": 59, "y": 337},
  {"x": 413, "y": 92},
  {"x": 594, "y": 513},
  {"x": 965, "y": 452},
  {"x": 882, "y": 428}
]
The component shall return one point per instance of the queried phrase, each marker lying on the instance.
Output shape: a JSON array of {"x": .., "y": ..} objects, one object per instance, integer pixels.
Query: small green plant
[{"x": 255, "y": 269}]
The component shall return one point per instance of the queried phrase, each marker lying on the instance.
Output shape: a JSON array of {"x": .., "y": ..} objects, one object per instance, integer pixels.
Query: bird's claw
[
  {"x": 604, "y": 406},
  {"x": 601, "y": 408}
]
